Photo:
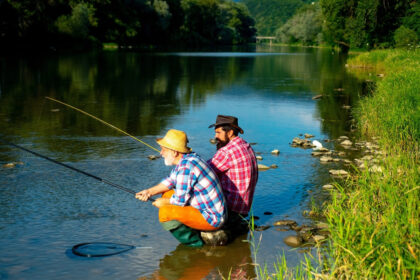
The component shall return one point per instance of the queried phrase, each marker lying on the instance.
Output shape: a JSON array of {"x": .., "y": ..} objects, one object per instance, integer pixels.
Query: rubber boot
[{"x": 187, "y": 236}]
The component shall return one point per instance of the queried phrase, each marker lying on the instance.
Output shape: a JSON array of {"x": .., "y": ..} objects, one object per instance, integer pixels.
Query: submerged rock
[
  {"x": 268, "y": 213},
  {"x": 273, "y": 166},
  {"x": 338, "y": 172},
  {"x": 275, "y": 152},
  {"x": 326, "y": 159},
  {"x": 285, "y": 223},
  {"x": 261, "y": 228},
  {"x": 262, "y": 167},
  {"x": 346, "y": 143},
  {"x": 12, "y": 164},
  {"x": 259, "y": 157},
  {"x": 318, "y": 238},
  {"x": 322, "y": 225},
  {"x": 213, "y": 141},
  {"x": 328, "y": 187},
  {"x": 293, "y": 241},
  {"x": 215, "y": 238},
  {"x": 307, "y": 135},
  {"x": 153, "y": 157}
]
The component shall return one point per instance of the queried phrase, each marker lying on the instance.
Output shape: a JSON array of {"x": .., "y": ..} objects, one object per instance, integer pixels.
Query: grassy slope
[{"x": 375, "y": 217}]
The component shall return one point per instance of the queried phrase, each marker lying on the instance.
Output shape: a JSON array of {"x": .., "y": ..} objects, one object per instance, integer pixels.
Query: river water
[{"x": 45, "y": 209}]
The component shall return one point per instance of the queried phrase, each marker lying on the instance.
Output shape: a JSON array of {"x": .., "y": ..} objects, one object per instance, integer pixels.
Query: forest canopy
[{"x": 55, "y": 23}]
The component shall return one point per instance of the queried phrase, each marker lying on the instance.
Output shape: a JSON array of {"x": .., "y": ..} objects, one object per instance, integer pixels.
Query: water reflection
[
  {"x": 234, "y": 262},
  {"x": 146, "y": 94}
]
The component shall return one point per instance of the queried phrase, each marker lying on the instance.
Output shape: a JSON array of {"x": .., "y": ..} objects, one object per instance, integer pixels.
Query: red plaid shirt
[{"x": 237, "y": 169}]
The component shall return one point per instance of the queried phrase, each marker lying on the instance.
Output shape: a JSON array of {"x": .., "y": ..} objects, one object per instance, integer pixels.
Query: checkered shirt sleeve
[{"x": 196, "y": 184}]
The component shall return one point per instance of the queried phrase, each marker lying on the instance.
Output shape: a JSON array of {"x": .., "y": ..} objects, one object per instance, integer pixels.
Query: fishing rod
[
  {"x": 74, "y": 168},
  {"x": 102, "y": 121}
]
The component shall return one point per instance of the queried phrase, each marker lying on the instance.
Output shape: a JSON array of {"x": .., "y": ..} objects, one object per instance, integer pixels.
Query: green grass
[{"x": 374, "y": 217}]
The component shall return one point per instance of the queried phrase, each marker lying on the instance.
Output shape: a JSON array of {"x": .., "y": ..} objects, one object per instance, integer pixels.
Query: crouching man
[{"x": 192, "y": 199}]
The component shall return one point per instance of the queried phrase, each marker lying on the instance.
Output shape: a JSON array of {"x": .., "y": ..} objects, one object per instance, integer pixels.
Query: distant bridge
[{"x": 261, "y": 39}]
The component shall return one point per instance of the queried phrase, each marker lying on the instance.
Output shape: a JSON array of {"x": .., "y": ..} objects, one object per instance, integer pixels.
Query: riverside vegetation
[{"x": 373, "y": 216}]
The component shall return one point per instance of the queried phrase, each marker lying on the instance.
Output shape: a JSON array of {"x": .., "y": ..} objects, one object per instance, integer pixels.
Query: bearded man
[
  {"x": 236, "y": 166},
  {"x": 192, "y": 198}
]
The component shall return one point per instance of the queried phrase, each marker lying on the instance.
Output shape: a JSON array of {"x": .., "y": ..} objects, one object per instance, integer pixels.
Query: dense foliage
[
  {"x": 271, "y": 14},
  {"x": 304, "y": 27},
  {"x": 368, "y": 23},
  {"x": 40, "y": 23}
]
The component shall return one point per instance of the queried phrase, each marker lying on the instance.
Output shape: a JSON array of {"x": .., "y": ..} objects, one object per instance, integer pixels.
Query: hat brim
[
  {"x": 221, "y": 124},
  {"x": 163, "y": 143}
]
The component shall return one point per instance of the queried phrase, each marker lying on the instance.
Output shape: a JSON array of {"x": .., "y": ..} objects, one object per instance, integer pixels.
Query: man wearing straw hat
[
  {"x": 236, "y": 166},
  {"x": 192, "y": 199}
]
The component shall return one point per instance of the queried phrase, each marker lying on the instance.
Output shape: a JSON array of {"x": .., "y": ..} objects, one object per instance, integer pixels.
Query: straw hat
[{"x": 175, "y": 140}]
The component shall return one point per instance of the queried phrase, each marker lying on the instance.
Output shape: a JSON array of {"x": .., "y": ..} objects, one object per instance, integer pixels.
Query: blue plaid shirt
[{"x": 196, "y": 184}]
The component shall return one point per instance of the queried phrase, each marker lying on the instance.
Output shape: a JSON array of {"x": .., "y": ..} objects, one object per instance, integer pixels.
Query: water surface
[{"x": 46, "y": 209}]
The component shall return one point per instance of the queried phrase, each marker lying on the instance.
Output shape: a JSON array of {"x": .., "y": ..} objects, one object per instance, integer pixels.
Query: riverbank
[{"x": 373, "y": 215}]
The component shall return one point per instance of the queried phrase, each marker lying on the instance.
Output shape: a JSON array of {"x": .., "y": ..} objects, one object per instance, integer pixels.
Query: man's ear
[{"x": 230, "y": 134}]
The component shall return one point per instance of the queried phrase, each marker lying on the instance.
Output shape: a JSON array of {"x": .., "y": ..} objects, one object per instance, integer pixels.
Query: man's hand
[
  {"x": 159, "y": 202},
  {"x": 143, "y": 195}
]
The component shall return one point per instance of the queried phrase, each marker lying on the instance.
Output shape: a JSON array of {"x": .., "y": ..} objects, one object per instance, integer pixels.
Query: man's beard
[
  {"x": 169, "y": 159},
  {"x": 221, "y": 143}
]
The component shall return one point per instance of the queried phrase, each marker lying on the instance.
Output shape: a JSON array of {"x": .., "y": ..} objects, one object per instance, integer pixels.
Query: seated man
[
  {"x": 192, "y": 196},
  {"x": 236, "y": 166}
]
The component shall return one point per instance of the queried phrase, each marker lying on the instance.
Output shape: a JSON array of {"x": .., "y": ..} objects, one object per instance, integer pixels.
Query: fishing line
[
  {"x": 92, "y": 249},
  {"x": 102, "y": 121},
  {"x": 73, "y": 168}
]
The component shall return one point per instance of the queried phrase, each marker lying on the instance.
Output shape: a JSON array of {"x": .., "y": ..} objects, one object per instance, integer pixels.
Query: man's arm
[
  {"x": 219, "y": 162},
  {"x": 145, "y": 194}
]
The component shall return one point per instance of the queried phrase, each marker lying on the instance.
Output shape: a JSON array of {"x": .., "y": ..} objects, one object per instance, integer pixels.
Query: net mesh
[{"x": 100, "y": 249}]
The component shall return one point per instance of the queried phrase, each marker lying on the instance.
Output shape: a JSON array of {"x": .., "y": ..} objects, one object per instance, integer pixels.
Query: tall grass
[{"x": 375, "y": 219}]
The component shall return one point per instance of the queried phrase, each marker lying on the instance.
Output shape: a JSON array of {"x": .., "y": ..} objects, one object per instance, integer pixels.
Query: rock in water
[
  {"x": 263, "y": 167},
  {"x": 346, "y": 143},
  {"x": 328, "y": 187},
  {"x": 338, "y": 172},
  {"x": 285, "y": 223},
  {"x": 261, "y": 228},
  {"x": 318, "y": 238},
  {"x": 326, "y": 159},
  {"x": 215, "y": 238},
  {"x": 293, "y": 241},
  {"x": 275, "y": 152},
  {"x": 153, "y": 157}
]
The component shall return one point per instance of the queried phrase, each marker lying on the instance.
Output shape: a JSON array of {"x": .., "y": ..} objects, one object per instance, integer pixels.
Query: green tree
[
  {"x": 269, "y": 15},
  {"x": 77, "y": 24},
  {"x": 412, "y": 18},
  {"x": 405, "y": 37},
  {"x": 305, "y": 26},
  {"x": 362, "y": 23},
  {"x": 202, "y": 19}
]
